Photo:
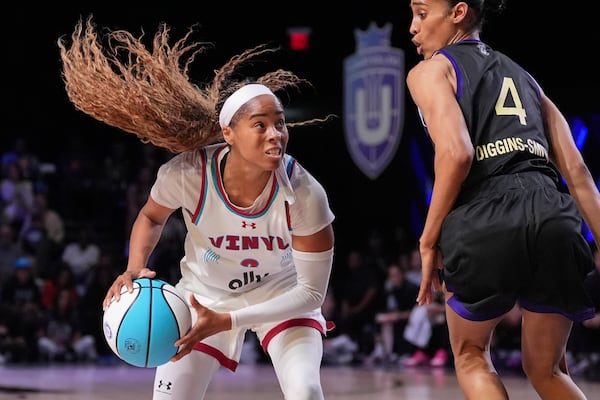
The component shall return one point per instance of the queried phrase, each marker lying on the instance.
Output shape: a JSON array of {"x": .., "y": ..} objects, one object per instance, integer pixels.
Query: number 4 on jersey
[{"x": 503, "y": 107}]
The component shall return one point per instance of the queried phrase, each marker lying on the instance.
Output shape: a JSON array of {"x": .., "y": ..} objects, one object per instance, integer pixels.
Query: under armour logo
[
  {"x": 166, "y": 385},
  {"x": 248, "y": 225}
]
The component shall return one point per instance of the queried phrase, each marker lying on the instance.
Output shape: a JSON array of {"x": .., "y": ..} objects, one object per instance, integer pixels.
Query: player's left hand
[
  {"x": 208, "y": 323},
  {"x": 431, "y": 263}
]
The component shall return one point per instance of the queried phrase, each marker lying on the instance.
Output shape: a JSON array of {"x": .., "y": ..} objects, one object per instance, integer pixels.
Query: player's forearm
[
  {"x": 450, "y": 172},
  {"x": 313, "y": 270},
  {"x": 145, "y": 234}
]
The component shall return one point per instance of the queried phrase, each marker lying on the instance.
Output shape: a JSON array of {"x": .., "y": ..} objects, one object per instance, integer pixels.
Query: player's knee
[
  {"x": 538, "y": 371},
  {"x": 304, "y": 391}
]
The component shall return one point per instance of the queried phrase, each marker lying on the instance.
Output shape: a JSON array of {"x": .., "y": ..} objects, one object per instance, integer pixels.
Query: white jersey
[{"x": 233, "y": 249}]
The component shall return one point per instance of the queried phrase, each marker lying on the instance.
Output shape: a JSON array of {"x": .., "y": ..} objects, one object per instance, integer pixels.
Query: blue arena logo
[{"x": 374, "y": 100}]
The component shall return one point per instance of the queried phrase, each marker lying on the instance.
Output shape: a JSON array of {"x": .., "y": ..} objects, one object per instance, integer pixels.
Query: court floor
[{"x": 123, "y": 382}]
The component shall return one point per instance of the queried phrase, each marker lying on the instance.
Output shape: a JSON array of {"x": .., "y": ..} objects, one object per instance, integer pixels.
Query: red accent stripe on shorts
[
  {"x": 218, "y": 355},
  {"x": 290, "y": 323},
  {"x": 330, "y": 325}
]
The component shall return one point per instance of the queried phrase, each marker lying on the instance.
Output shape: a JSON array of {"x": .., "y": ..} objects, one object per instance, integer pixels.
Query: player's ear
[
  {"x": 227, "y": 134},
  {"x": 459, "y": 11}
]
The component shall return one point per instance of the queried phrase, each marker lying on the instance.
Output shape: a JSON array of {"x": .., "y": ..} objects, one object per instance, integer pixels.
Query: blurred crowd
[
  {"x": 64, "y": 225},
  {"x": 63, "y": 230}
]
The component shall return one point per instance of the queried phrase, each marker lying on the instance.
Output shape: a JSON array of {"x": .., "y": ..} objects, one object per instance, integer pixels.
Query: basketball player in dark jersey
[{"x": 499, "y": 228}]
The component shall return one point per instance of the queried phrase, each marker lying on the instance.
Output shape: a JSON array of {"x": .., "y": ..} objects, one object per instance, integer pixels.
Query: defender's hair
[{"x": 482, "y": 8}]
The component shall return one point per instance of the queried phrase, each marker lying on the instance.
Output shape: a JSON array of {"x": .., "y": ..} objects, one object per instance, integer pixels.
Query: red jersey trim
[{"x": 203, "y": 187}]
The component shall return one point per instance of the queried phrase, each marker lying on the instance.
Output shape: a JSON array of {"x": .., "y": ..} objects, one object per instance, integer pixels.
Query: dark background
[{"x": 556, "y": 45}]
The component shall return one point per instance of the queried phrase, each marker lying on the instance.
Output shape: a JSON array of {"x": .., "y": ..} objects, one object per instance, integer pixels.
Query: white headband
[{"x": 238, "y": 99}]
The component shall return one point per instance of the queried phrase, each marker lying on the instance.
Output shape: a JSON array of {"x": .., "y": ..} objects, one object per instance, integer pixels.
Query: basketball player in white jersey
[{"x": 259, "y": 248}]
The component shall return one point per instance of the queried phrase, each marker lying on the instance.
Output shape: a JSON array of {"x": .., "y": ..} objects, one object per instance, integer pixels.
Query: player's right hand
[{"x": 125, "y": 279}]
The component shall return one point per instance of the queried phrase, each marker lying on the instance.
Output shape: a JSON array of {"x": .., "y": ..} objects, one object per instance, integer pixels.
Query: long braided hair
[{"x": 149, "y": 93}]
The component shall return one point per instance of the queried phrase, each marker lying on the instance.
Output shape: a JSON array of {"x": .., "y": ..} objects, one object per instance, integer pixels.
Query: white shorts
[{"x": 226, "y": 346}]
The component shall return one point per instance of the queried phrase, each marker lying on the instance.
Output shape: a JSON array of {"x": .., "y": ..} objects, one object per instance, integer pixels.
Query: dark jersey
[
  {"x": 523, "y": 242},
  {"x": 500, "y": 102}
]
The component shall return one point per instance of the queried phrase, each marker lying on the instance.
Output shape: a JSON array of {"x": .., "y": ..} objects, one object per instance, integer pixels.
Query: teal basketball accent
[
  {"x": 150, "y": 325},
  {"x": 131, "y": 342},
  {"x": 164, "y": 329}
]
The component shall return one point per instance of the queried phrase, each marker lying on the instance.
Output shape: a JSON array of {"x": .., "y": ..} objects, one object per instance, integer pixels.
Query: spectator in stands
[
  {"x": 21, "y": 288},
  {"x": 20, "y": 155},
  {"x": 414, "y": 272},
  {"x": 42, "y": 235},
  {"x": 61, "y": 337},
  {"x": 427, "y": 329},
  {"x": 52, "y": 220},
  {"x": 391, "y": 319},
  {"x": 82, "y": 254},
  {"x": 62, "y": 280},
  {"x": 377, "y": 253},
  {"x": 9, "y": 251},
  {"x": 21, "y": 300},
  {"x": 338, "y": 348},
  {"x": 32, "y": 236},
  {"x": 357, "y": 293},
  {"x": 101, "y": 278},
  {"x": 12, "y": 348},
  {"x": 16, "y": 196}
]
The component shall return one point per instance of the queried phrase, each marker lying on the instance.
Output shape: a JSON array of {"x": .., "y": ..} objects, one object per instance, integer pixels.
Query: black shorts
[{"x": 517, "y": 239}]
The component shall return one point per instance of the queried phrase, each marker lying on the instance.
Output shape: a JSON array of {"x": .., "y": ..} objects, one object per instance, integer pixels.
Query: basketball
[{"x": 142, "y": 327}]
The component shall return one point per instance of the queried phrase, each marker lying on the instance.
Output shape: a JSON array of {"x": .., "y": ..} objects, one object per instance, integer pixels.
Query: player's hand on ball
[
  {"x": 208, "y": 323},
  {"x": 125, "y": 279}
]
